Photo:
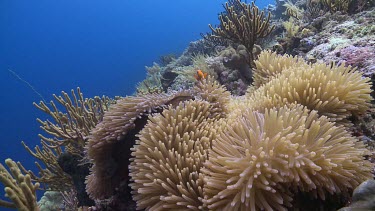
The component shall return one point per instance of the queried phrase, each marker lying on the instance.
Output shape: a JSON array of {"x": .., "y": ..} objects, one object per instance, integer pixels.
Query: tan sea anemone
[
  {"x": 257, "y": 160},
  {"x": 211, "y": 91},
  {"x": 269, "y": 64},
  {"x": 169, "y": 155},
  {"x": 336, "y": 92},
  {"x": 110, "y": 141}
]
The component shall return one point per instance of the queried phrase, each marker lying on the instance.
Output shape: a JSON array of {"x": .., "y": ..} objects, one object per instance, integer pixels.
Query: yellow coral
[
  {"x": 291, "y": 28},
  {"x": 18, "y": 188},
  {"x": 292, "y": 10}
]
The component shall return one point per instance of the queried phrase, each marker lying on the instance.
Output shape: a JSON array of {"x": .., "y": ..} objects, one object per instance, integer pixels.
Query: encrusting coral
[
  {"x": 18, "y": 188},
  {"x": 259, "y": 158},
  {"x": 109, "y": 145}
]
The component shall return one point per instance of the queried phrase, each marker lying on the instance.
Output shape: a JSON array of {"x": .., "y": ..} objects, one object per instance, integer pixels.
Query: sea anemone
[
  {"x": 270, "y": 64},
  {"x": 334, "y": 91},
  {"x": 169, "y": 155},
  {"x": 211, "y": 91},
  {"x": 258, "y": 159},
  {"x": 110, "y": 141}
]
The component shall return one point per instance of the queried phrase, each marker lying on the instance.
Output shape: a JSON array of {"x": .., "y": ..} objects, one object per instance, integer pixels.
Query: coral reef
[
  {"x": 166, "y": 59},
  {"x": 336, "y": 5},
  {"x": 259, "y": 130},
  {"x": 347, "y": 39},
  {"x": 152, "y": 83},
  {"x": 232, "y": 69},
  {"x": 186, "y": 75},
  {"x": 291, "y": 28},
  {"x": 292, "y": 10}
]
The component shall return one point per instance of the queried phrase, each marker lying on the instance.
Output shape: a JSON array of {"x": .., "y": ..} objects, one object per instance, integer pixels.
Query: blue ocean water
[{"x": 100, "y": 46}]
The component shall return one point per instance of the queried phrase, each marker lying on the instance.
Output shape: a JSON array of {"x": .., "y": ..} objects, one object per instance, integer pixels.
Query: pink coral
[{"x": 360, "y": 57}]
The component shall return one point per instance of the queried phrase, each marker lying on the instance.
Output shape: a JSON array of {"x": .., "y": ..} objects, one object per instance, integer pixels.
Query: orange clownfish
[{"x": 200, "y": 75}]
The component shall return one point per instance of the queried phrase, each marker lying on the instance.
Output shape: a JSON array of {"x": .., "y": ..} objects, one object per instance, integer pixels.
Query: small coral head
[{"x": 200, "y": 75}]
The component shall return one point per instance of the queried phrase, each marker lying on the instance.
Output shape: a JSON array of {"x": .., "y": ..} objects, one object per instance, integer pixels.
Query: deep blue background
[{"x": 100, "y": 46}]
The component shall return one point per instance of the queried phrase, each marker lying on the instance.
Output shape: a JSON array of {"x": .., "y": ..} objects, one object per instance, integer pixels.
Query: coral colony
[{"x": 272, "y": 110}]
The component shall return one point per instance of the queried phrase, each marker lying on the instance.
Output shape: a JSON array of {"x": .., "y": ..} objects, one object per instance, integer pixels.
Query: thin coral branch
[
  {"x": 52, "y": 176},
  {"x": 70, "y": 199},
  {"x": 72, "y": 127},
  {"x": 18, "y": 188},
  {"x": 72, "y": 119}
]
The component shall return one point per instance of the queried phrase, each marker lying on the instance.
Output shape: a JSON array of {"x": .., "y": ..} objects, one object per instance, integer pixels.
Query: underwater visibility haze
[{"x": 202, "y": 105}]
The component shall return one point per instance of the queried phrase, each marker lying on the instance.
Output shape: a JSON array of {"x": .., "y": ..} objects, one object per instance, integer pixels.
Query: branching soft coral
[
  {"x": 292, "y": 10},
  {"x": 244, "y": 25},
  {"x": 336, "y": 5},
  {"x": 71, "y": 127},
  {"x": 69, "y": 132},
  {"x": 18, "y": 188}
]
